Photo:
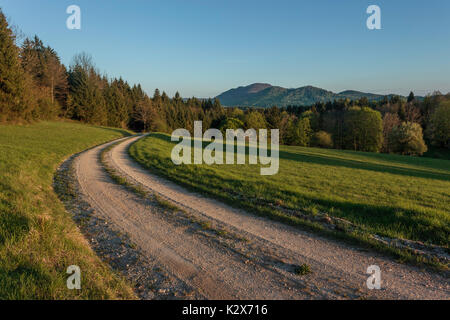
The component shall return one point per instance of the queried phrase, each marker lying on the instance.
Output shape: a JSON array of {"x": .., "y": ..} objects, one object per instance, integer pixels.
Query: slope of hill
[
  {"x": 38, "y": 238},
  {"x": 266, "y": 95}
]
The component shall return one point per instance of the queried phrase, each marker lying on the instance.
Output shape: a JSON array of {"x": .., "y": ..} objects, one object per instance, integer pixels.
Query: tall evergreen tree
[
  {"x": 12, "y": 79},
  {"x": 48, "y": 73},
  {"x": 86, "y": 101},
  {"x": 118, "y": 106}
]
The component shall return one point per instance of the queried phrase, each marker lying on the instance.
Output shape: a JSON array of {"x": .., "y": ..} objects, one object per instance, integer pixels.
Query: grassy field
[
  {"x": 38, "y": 239},
  {"x": 394, "y": 196}
]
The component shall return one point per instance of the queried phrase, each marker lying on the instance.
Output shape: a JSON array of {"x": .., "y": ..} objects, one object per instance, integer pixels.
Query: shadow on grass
[
  {"x": 24, "y": 281},
  {"x": 355, "y": 164},
  {"x": 409, "y": 223},
  {"x": 382, "y": 219},
  {"x": 438, "y": 153},
  {"x": 13, "y": 226},
  {"x": 330, "y": 160}
]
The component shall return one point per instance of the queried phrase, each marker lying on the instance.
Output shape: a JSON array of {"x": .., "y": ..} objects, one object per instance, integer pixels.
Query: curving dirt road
[{"x": 221, "y": 252}]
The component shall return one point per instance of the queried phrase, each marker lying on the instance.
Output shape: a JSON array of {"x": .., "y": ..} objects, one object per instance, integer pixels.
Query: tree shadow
[
  {"x": 331, "y": 160},
  {"x": 386, "y": 217},
  {"x": 355, "y": 164}
]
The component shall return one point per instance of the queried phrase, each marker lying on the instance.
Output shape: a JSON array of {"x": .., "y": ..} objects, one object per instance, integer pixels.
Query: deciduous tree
[{"x": 407, "y": 139}]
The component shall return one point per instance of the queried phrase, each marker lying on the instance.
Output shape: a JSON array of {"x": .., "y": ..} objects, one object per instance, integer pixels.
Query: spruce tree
[
  {"x": 12, "y": 80},
  {"x": 156, "y": 96},
  {"x": 86, "y": 100}
]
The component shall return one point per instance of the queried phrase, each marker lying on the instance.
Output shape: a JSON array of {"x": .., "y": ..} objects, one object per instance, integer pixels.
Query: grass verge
[{"x": 38, "y": 238}]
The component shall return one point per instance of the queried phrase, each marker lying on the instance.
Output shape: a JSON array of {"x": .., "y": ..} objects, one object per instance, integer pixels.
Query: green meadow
[
  {"x": 389, "y": 195},
  {"x": 38, "y": 238}
]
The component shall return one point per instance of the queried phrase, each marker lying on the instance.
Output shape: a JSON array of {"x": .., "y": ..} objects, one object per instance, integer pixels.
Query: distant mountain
[{"x": 265, "y": 95}]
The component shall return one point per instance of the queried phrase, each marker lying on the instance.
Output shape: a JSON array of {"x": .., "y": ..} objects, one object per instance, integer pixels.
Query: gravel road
[{"x": 213, "y": 251}]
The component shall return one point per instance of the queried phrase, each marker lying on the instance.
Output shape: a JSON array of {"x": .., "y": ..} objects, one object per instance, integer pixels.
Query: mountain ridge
[{"x": 266, "y": 95}]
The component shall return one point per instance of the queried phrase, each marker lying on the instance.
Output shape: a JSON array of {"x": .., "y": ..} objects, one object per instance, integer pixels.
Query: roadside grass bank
[
  {"x": 38, "y": 238},
  {"x": 368, "y": 198}
]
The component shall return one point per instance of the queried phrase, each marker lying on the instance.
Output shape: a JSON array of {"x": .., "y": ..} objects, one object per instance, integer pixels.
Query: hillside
[
  {"x": 265, "y": 95},
  {"x": 38, "y": 238}
]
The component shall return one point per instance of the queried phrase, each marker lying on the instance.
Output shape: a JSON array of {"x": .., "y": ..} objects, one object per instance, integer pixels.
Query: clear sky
[{"x": 204, "y": 47}]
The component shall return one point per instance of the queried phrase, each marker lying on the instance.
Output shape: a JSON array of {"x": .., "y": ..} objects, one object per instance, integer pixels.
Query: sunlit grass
[
  {"x": 395, "y": 196},
  {"x": 38, "y": 238}
]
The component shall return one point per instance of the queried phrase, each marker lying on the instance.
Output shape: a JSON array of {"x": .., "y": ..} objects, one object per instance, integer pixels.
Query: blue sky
[{"x": 204, "y": 47}]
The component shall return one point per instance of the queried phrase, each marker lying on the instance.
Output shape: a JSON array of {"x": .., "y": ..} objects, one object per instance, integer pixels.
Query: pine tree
[
  {"x": 118, "y": 111},
  {"x": 156, "y": 96},
  {"x": 177, "y": 97},
  {"x": 12, "y": 79},
  {"x": 86, "y": 100},
  {"x": 49, "y": 75}
]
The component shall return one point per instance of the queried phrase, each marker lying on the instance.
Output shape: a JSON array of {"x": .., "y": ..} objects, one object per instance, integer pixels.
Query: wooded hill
[{"x": 265, "y": 95}]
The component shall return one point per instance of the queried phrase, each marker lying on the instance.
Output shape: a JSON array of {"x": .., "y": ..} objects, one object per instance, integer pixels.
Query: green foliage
[
  {"x": 440, "y": 125},
  {"x": 43, "y": 65},
  {"x": 322, "y": 139},
  {"x": 117, "y": 104},
  {"x": 33, "y": 82},
  {"x": 303, "y": 270},
  {"x": 363, "y": 129},
  {"x": 314, "y": 119},
  {"x": 86, "y": 100},
  {"x": 12, "y": 78},
  {"x": 390, "y": 121},
  {"x": 407, "y": 139},
  {"x": 255, "y": 120},
  {"x": 238, "y": 113},
  {"x": 273, "y": 117},
  {"x": 302, "y": 132},
  {"x": 230, "y": 123},
  {"x": 287, "y": 129}
]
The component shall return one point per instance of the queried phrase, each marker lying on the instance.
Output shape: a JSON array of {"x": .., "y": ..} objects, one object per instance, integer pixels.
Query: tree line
[
  {"x": 393, "y": 125},
  {"x": 35, "y": 85}
]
